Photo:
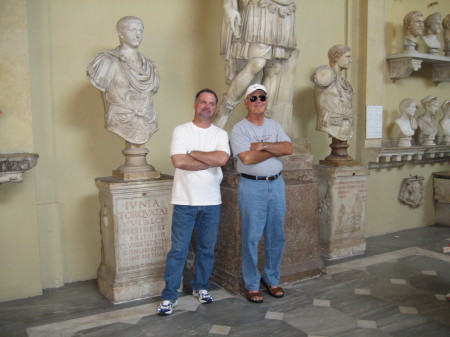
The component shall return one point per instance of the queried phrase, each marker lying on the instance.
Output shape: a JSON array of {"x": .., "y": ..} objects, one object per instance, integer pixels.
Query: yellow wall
[{"x": 57, "y": 239}]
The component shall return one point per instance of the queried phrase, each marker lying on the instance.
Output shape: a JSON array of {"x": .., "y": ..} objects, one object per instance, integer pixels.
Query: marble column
[
  {"x": 135, "y": 222},
  {"x": 342, "y": 204},
  {"x": 302, "y": 254}
]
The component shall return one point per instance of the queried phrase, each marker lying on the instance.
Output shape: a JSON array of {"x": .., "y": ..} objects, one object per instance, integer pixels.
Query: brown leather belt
[{"x": 266, "y": 178}]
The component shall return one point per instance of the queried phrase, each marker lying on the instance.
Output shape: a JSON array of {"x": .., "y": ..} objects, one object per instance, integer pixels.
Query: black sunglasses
[{"x": 262, "y": 98}]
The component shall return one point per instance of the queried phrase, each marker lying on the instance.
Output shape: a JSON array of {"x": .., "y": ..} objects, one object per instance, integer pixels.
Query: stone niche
[
  {"x": 302, "y": 253},
  {"x": 135, "y": 224}
]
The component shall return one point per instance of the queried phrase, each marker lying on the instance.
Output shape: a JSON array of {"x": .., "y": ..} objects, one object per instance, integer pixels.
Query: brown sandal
[
  {"x": 274, "y": 291},
  {"x": 254, "y": 296}
]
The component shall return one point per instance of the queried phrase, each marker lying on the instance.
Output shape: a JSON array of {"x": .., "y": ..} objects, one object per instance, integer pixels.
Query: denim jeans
[
  {"x": 205, "y": 220},
  {"x": 263, "y": 207}
]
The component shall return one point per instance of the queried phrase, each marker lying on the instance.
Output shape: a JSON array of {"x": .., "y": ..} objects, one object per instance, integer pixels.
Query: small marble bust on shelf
[
  {"x": 446, "y": 26},
  {"x": 413, "y": 26},
  {"x": 406, "y": 122},
  {"x": 433, "y": 26},
  {"x": 445, "y": 122},
  {"x": 426, "y": 122}
]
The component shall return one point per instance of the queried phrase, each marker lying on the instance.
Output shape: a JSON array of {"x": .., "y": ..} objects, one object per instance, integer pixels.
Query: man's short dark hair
[{"x": 208, "y": 91}]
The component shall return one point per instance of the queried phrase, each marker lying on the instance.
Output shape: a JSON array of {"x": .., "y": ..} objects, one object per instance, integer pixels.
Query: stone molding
[{"x": 14, "y": 165}]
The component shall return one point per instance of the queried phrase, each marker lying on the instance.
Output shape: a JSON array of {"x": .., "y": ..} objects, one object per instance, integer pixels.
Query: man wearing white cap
[{"x": 256, "y": 142}]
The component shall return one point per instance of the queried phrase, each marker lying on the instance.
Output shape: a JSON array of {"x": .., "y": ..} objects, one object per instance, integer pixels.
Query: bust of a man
[
  {"x": 446, "y": 26},
  {"x": 413, "y": 25},
  {"x": 445, "y": 121},
  {"x": 333, "y": 95},
  {"x": 127, "y": 81},
  {"x": 427, "y": 123},
  {"x": 433, "y": 26},
  {"x": 406, "y": 122}
]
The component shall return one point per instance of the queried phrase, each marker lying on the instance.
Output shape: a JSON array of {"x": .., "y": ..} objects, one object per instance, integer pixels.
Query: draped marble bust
[
  {"x": 333, "y": 95},
  {"x": 406, "y": 123},
  {"x": 128, "y": 81},
  {"x": 427, "y": 122}
]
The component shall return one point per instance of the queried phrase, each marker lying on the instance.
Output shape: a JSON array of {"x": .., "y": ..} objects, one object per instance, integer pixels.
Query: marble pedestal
[
  {"x": 302, "y": 253},
  {"x": 135, "y": 223},
  {"x": 343, "y": 195}
]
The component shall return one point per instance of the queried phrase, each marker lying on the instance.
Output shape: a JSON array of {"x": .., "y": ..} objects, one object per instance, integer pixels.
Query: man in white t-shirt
[{"x": 198, "y": 150}]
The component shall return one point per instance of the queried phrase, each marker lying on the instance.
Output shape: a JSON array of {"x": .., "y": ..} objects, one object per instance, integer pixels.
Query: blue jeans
[
  {"x": 205, "y": 220},
  {"x": 263, "y": 207}
]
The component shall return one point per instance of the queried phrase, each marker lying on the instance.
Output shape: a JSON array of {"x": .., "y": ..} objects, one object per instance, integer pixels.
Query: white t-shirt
[{"x": 202, "y": 187}]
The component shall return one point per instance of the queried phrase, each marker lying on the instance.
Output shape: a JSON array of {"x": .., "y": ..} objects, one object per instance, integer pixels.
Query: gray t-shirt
[{"x": 244, "y": 133}]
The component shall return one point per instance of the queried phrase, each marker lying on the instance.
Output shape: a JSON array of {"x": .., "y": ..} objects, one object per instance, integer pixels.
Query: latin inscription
[{"x": 143, "y": 230}]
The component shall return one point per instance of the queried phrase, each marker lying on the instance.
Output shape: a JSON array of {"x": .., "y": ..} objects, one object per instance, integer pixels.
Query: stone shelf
[
  {"x": 389, "y": 156},
  {"x": 14, "y": 165},
  {"x": 404, "y": 64}
]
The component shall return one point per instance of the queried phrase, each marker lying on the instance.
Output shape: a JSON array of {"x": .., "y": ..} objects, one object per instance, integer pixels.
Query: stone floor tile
[
  {"x": 429, "y": 272},
  {"x": 397, "y": 281},
  {"x": 408, "y": 310},
  {"x": 361, "y": 323},
  {"x": 220, "y": 330},
  {"x": 274, "y": 315},
  {"x": 362, "y": 291}
]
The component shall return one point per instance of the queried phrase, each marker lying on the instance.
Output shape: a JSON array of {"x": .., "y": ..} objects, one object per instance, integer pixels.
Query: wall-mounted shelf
[
  {"x": 404, "y": 64},
  {"x": 387, "y": 157},
  {"x": 14, "y": 165}
]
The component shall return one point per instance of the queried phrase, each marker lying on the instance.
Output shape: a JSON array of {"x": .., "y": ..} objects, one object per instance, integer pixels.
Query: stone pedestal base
[
  {"x": 302, "y": 253},
  {"x": 342, "y": 194},
  {"x": 135, "y": 222}
]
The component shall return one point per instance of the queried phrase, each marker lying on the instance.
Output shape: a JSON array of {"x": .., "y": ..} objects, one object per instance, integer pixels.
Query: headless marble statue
[
  {"x": 427, "y": 123},
  {"x": 406, "y": 122},
  {"x": 433, "y": 26},
  {"x": 259, "y": 46}
]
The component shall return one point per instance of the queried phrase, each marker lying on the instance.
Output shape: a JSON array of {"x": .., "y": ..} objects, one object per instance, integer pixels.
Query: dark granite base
[{"x": 302, "y": 253}]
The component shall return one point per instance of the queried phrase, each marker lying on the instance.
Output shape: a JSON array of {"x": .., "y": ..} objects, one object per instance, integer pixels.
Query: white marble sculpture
[
  {"x": 128, "y": 81},
  {"x": 433, "y": 26},
  {"x": 411, "y": 191},
  {"x": 413, "y": 26},
  {"x": 406, "y": 122},
  {"x": 333, "y": 95},
  {"x": 446, "y": 27},
  {"x": 445, "y": 122},
  {"x": 427, "y": 122},
  {"x": 259, "y": 46}
]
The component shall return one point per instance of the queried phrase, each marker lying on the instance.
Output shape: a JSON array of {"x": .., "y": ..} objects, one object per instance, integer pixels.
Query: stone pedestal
[
  {"x": 302, "y": 253},
  {"x": 441, "y": 183},
  {"x": 342, "y": 194},
  {"x": 135, "y": 224}
]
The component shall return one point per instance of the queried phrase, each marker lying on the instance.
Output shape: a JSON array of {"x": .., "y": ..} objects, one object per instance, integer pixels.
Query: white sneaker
[
  {"x": 166, "y": 307},
  {"x": 203, "y": 296}
]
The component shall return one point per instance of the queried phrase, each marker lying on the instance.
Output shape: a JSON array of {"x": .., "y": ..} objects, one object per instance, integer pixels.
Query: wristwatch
[
  {"x": 264, "y": 145},
  {"x": 189, "y": 153}
]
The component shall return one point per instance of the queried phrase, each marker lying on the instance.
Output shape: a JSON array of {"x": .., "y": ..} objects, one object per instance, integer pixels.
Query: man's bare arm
[
  {"x": 198, "y": 160},
  {"x": 261, "y": 151}
]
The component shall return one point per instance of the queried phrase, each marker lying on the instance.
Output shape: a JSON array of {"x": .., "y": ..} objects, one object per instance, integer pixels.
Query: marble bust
[
  {"x": 406, "y": 122},
  {"x": 259, "y": 46},
  {"x": 333, "y": 95},
  {"x": 433, "y": 26},
  {"x": 413, "y": 26},
  {"x": 427, "y": 122},
  {"x": 127, "y": 81},
  {"x": 445, "y": 122},
  {"x": 446, "y": 27}
]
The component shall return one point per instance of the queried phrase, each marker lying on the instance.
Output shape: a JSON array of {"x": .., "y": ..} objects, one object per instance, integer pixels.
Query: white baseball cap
[{"x": 255, "y": 87}]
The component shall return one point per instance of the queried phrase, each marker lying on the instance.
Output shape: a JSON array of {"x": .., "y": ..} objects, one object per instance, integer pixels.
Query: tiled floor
[{"x": 396, "y": 289}]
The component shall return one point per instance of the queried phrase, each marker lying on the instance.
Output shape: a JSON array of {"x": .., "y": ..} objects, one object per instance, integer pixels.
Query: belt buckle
[{"x": 268, "y": 178}]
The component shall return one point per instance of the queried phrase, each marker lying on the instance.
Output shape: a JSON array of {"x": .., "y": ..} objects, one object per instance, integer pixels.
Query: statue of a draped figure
[
  {"x": 333, "y": 96},
  {"x": 445, "y": 122},
  {"x": 127, "y": 81},
  {"x": 259, "y": 46}
]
